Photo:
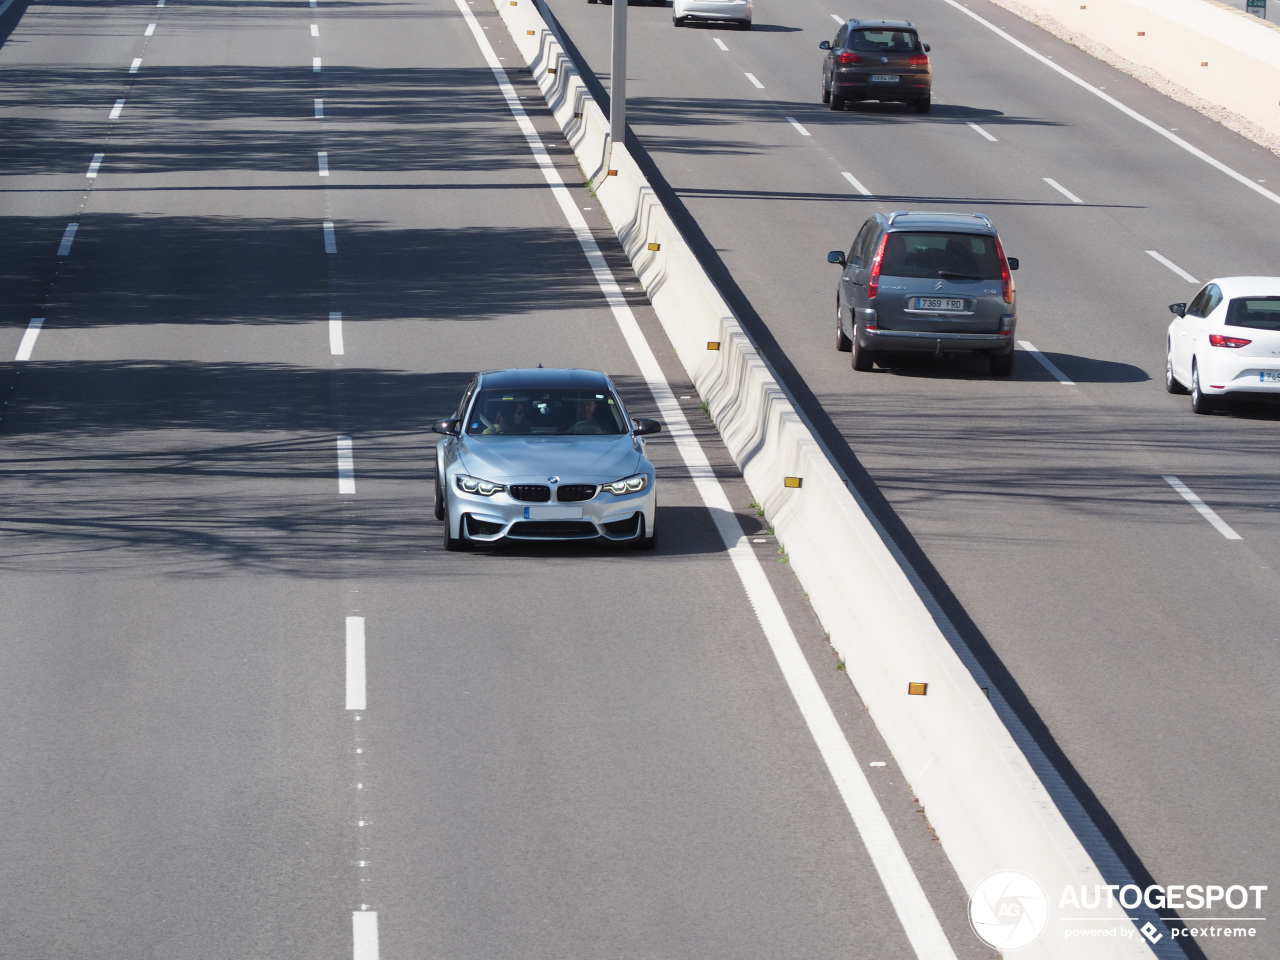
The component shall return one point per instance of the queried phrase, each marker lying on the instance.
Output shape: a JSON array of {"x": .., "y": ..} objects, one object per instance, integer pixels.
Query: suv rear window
[
  {"x": 883, "y": 41},
  {"x": 1261, "y": 313},
  {"x": 928, "y": 255}
]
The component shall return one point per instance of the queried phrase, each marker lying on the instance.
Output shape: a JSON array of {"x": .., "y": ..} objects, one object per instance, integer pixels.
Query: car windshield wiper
[{"x": 952, "y": 275}]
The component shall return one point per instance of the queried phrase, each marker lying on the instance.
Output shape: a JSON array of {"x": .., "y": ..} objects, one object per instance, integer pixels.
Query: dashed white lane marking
[
  {"x": 719, "y": 43},
  {"x": 1203, "y": 508},
  {"x": 756, "y": 83},
  {"x": 984, "y": 133},
  {"x": 1062, "y": 190},
  {"x": 356, "y": 696},
  {"x": 116, "y": 110},
  {"x": 330, "y": 238},
  {"x": 1172, "y": 266},
  {"x": 912, "y": 907},
  {"x": 313, "y": 3},
  {"x": 796, "y": 123},
  {"x": 876, "y": 763},
  {"x": 1047, "y": 363},
  {"x": 319, "y": 109},
  {"x": 322, "y": 161},
  {"x": 133, "y": 67},
  {"x": 857, "y": 185},
  {"x": 346, "y": 467},
  {"x": 29, "y": 339},
  {"x": 837, "y": 18},
  {"x": 315, "y": 29},
  {"x": 364, "y": 935},
  {"x": 94, "y": 164},
  {"x": 159, "y": 3},
  {"x": 1127, "y": 111},
  {"x": 315, "y": 64},
  {"x": 151, "y": 28},
  {"x": 68, "y": 237},
  {"x": 335, "y": 333}
]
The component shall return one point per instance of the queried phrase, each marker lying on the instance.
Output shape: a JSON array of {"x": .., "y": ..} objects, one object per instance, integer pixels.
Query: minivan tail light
[
  {"x": 918, "y": 60},
  {"x": 873, "y": 281},
  {"x": 1006, "y": 278},
  {"x": 845, "y": 56},
  {"x": 1218, "y": 340}
]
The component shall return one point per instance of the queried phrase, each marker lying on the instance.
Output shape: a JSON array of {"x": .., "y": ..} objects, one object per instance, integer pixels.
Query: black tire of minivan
[
  {"x": 861, "y": 358},
  {"x": 1001, "y": 364}
]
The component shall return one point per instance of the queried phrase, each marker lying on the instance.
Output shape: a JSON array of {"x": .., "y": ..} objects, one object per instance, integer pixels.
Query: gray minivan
[{"x": 926, "y": 282}]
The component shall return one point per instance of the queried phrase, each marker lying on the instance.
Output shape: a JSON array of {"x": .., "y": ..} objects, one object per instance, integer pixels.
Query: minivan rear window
[
  {"x": 952, "y": 255},
  {"x": 883, "y": 41},
  {"x": 1260, "y": 313}
]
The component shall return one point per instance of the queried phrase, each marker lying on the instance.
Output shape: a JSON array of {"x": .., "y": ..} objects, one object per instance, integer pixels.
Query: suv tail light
[
  {"x": 1218, "y": 340},
  {"x": 846, "y": 56},
  {"x": 918, "y": 60},
  {"x": 1006, "y": 278},
  {"x": 873, "y": 281}
]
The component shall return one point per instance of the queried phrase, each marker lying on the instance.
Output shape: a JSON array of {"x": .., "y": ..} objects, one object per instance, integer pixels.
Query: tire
[
  {"x": 1001, "y": 364},
  {"x": 860, "y": 358},
  {"x": 837, "y": 102},
  {"x": 1200, "y": 402},
  {"x": 923, "y": 106},
  {"x": 650, "y": 541},
  {"x": 1171, "y": 383},
  {"x": 679, "y": 21},
  {"x": 439, "y": 506},
  {"x": 451, "y": 543},
  {"x": 843, "y": 343},
  {"x": 744, "y": 25},
  {"x": 826, "y": 93}
]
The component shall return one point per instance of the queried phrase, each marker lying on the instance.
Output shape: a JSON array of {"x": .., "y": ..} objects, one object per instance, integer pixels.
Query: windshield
[
  {"x": 883, "y": 41},
  {"x": 1260, "y": 313},
  {"x": 546, "y": 412},
  {"x": 961, "y": 256}
]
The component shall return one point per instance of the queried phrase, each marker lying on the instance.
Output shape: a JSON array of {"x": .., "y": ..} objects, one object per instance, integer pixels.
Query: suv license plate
[
  {"x": 884, "y": 78},
  {"x": 938, "y": 303},
  {"x": 1269, "y": 376}
]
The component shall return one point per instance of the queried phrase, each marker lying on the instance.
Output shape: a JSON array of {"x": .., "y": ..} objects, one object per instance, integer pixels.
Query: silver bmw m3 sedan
[{"x": 544, "y": 455}]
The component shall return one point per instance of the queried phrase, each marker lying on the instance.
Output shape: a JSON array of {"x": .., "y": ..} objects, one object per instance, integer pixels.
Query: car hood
[{"x": 534, "y": 459}]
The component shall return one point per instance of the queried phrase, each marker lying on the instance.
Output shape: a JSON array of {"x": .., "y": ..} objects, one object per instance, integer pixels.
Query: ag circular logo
[{"x": 1008, "y": 910}]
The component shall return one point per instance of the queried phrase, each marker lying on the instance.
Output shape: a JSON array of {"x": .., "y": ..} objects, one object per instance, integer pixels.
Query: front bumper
[
  {"x": 913, "y": 341},
  {"x": 501, "y": 517}
]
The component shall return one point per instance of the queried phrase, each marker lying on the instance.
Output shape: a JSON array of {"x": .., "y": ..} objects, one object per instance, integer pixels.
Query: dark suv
[
  {"x": 877, "y": 60},
  {"x": 926, "y": 282}
]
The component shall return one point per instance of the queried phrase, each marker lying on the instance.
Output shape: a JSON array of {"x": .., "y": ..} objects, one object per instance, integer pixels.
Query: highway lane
[
  {"x": 1037, "y": 509},
  {"x": 560, "y": 752}
]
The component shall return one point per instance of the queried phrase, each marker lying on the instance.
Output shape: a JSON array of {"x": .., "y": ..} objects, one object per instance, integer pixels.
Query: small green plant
[
  {"x": 840, "y": 665},
  {"x": 757, "y": 508},
  {"x": 706, "y": 410},
  {"x": 784, "y": 557}
]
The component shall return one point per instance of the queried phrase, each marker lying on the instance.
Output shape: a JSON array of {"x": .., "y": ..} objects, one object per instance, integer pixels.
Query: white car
[
  {"x": 734, "y": 11},
  {"x": 1225, "y": 342}
]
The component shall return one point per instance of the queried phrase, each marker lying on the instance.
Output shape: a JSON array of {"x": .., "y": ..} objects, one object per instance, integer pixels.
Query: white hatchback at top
[
  {"x": 733, "y": 11},
  {"x": 1226, "y": 342}
]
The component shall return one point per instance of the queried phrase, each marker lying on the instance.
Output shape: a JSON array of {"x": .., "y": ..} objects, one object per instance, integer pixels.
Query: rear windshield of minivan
[
  {"x": 883, "y": 41},
  {"x": 954, "y": 255},
  {"x": 1261, "y": 313}
]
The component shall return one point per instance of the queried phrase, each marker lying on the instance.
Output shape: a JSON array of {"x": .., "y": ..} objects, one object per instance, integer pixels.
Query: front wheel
[
  {"x": 1171, "y": 383},
  {"x": 439, "y": 506},
  {"x": 843, "y": 343},
  {"x": 1200, "y": 401}
]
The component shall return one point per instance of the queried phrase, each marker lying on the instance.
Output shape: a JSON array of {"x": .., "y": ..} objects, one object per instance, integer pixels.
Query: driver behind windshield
[{"x": 568, "y": 411}]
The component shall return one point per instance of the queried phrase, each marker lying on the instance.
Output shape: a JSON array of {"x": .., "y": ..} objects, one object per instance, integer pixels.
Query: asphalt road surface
[
  {"x": 1140, "y": 641},
  {"x": 233, "y": 237}
]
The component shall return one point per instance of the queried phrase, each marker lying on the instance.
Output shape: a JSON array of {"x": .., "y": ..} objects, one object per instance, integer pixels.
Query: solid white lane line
[
  {"x": 29, "y": 339},
  {"x": 330, "y": 238},
  {"x": 1172, "y": 266},
  {"x": 133, "y": 67},
  {"x": 151, "y": 28},
  {"x": 984, "y": 133},
  {"x": 335, "y": 333},
  {"x": 1062, "y": 190},
  {"x": 1047, "y": 363},
  {"x": 322, "y": 160},
  {"x": 94, "y": 164},
  {"x": 315, "y": 64},
  {"x": 315, "y": 29},
  {"x": 364, "y": 935},
  {"x": 68, "y": 236},
  {"x": 758, "y": 85},
  {"x": 918, "y": 920},
  {"x": 319, "y": 109},
  {"x": 1203, "y": 508},
  {"x": 346, "y": 467},
  {"x": 795, "y": 123},
  {"x": 356, "y": 696},
  {"x": 115, "y": 111},
  {"x": 720, "y": 43},
  {"x": 1127, "y": 111},
  {"x": 857, "y": 185},
  {"x": 837, "y": 18}
]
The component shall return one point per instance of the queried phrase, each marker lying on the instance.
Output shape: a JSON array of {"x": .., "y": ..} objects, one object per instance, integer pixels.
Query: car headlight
[
  {"x": 629, "y": 485},
  {"x": 484, "y": 488}
]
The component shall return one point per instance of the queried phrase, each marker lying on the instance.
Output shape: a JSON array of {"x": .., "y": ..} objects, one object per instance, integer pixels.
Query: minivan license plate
[
  {"x": 938, "y": 303},
  {"x": 884, "y": 78}
]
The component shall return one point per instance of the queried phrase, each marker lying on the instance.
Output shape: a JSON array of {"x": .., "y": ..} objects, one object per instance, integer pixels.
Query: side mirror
[
  {"x": 825, "y": 45},
  {"x": 448, "y": 427},
  {"x": 1179, "y": 308},
  {"x": 644, "y": 426},
  {"x": 926, "y": 47},
  {"x": 836, "y": 257},
  {"x": 1013, "y": 263}
]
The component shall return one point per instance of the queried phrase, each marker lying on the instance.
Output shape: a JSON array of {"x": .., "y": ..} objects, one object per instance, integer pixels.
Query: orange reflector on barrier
[
  {"x": 713, "y": 344},
  {"x": 917, "y": 689},
  {"x": 794, "y": 482}
]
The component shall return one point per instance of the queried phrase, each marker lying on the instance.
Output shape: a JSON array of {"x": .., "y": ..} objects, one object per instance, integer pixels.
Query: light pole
[{"x": 618, "y": 79}]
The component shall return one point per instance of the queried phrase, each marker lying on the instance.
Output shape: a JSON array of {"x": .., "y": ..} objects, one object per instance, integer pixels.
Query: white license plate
[
  {"x": 553, "y": 513},
  {"x": 1269, "y": 376},
  {"x": 884, "y": 78},
  {"x": 938, "y": 303}
]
